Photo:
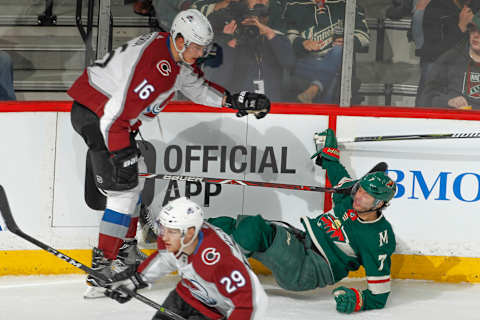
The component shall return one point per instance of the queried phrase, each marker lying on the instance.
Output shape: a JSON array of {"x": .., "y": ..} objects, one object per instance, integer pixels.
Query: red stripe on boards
[{"x": 277, "y": 108}]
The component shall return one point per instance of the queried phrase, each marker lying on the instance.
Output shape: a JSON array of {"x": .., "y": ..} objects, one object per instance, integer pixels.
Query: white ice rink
[{"x": 60, "y": 298}]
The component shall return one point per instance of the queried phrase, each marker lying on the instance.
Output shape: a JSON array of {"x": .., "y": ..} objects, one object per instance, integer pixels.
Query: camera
[
  {"x": 238, "y": 11},
  {"x": 251, "y": 32}
]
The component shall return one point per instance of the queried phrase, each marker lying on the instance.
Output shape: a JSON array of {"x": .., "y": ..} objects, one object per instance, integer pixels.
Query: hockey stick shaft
[
  {"x": 422, "y": 136},
  {"x": 236, "y": 182},
  {"x": 12, "y": 226}
]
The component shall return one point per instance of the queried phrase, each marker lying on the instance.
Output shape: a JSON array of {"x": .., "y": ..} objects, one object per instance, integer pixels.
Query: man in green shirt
[
  {"x": 315, "y": 28},
  {"x": 352, "y": 234}
]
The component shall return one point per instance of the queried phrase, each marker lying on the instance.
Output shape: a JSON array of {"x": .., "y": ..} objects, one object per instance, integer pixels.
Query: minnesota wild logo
[
  {"x": 332, "y": 227},
  {"x": 473, "y": 85}
]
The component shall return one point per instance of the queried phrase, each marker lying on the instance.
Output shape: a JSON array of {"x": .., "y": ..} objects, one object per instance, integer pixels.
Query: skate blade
[{"x": 94, "y": 293}]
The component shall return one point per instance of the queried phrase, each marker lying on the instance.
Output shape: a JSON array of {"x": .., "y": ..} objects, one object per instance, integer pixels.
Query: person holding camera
[
  {"x": 454, "y": 78},
  {"x": 443, "y": 25},
  {"x": 316, "y": 31},
  {"x": 254, "y": 54},
  {"x": 7, "y": 92}
]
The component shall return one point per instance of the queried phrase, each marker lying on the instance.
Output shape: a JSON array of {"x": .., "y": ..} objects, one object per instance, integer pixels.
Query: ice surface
[{"x": 60, "y": 297}]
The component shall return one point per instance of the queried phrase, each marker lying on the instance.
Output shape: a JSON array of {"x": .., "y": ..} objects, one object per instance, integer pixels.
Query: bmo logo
[{"x": 444, "y": 186}]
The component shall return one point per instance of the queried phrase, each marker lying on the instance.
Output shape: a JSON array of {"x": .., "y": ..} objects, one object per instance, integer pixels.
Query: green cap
[
  {"x": 379, "y": 186},
  {"x": 476, "y": 20}
]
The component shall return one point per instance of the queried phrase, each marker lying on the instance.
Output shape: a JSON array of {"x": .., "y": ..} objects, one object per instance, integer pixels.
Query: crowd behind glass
[{"x": 291, "y": 50}]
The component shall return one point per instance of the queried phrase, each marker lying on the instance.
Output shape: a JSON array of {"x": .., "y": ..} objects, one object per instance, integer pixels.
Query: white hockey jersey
[
  {"x": 135, "y": 82},
  {"x": 216, "y": 279}
]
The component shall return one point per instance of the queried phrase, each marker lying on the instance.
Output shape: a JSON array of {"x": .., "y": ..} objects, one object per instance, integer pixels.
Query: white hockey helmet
[
  {"x": 194, "y": 27},
  {"x": 182, "y": 214}
]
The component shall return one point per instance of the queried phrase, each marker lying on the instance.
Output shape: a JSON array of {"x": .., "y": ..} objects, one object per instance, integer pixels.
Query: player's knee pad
[
  {"x": 127, "y": 201},
  {"x": 253, "y": 233},
  {"x": 115, "y": 171}
]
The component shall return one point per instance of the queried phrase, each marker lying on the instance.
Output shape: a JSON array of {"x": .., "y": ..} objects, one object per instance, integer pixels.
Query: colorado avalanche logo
[
  {"x": 164, "y": 68},
  {"x": 210, "y": 256},
  {"x": 199, "y": 292},
  {"x": 157, "y": 108}
]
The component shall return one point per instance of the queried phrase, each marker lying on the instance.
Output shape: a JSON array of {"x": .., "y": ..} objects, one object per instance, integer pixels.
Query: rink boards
[{"x": 435, "y": 213}]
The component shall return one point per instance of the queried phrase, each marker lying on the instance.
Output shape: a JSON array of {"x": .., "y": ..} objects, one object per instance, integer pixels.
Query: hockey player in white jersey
[
  {"x": 131, "y": 84},
  {"x": 217, "y": 282}
]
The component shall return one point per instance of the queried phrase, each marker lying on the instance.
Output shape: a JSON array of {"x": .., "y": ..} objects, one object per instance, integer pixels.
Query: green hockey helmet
[{"x": 379, "y": 186}]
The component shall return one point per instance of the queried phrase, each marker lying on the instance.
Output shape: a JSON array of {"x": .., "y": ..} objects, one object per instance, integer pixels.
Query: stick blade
[
  {"x": 381, "y": 166},
  {"x": 6, "y": 219}
]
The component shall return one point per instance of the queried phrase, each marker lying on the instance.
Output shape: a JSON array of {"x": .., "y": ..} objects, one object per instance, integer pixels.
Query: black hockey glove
[
  {"x": 116, "y": 171},
  {"x": 248, "y": 102},
  {"x": 129, "y": 279}
]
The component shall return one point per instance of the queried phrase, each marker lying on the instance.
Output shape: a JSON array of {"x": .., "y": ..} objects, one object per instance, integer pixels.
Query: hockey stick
[
  {"x": 421, "y": 136},
  {"x": 237, "y": 182},
  {"x": 381, "y": 166},
  {"x": 11, "y": 226}
]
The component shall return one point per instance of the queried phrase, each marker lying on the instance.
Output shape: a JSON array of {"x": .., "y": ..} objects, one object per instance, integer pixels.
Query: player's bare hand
[{"x": 458, "y": 102}]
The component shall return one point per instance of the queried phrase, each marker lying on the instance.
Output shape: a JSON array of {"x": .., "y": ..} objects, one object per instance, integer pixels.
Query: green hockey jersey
[
  {"x": 306, "y": 19},
  {"x": 348, "y": 242}
]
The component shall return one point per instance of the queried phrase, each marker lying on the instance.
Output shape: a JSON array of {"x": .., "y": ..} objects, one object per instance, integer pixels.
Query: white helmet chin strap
[
  {"x": 184, "y": 245},
  {"x": 180, "y": 52}
]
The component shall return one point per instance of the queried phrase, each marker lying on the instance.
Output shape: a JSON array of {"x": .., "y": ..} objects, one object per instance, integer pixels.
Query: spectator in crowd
[
  {"x": 254, "y": 54},
  {"x": 6, "y": 77},
  {"x": 437, "y": 26},
  {"x": 399, "y": 9},
  {"x": 166, "y": 10},
  {"x": 454, "y": 79},
  {"x": 316, "y": 31},
  {"x": 276, "y": 8},
  {"x": 143, "y": 7}
]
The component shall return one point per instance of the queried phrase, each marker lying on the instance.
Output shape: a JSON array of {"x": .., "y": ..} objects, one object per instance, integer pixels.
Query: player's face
[
  {"x": 193, "y": 51},
  {"x": 362, "y": 201},
  {"x": 171, "y": 238}
]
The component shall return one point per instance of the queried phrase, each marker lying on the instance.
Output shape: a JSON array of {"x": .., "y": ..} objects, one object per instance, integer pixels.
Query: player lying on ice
[
  {"x": 217, "y": 282},
  {"x": 353, "y": 233}
]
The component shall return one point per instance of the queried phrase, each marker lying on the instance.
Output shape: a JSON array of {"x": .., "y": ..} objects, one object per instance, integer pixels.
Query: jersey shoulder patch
[{"x": 213, "y": 254}]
